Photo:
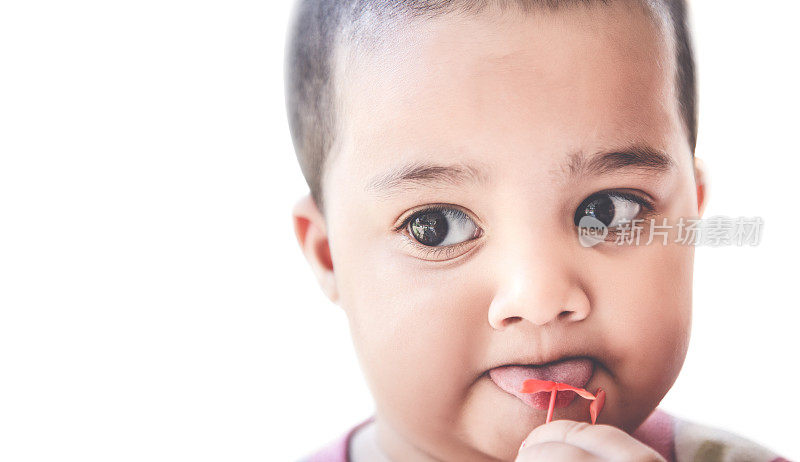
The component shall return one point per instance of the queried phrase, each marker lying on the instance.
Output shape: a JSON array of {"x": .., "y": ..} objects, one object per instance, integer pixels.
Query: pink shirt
[{"x": 675, "y": 439}]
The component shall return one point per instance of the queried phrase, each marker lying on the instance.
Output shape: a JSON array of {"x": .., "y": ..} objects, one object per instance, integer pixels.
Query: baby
[{"x": 453, "y": 150}]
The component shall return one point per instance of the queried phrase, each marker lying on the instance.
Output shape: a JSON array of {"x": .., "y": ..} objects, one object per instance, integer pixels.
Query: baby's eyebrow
[
  {"x": 640, "y": 158},
  {"x": 429, "y": 174}
]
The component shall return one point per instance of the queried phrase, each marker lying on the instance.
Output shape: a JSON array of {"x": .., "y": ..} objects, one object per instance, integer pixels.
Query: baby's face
[{"x": 532, "y": 110}]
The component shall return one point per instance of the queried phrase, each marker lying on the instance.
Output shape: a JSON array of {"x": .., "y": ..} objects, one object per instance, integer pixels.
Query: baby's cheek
[
  {"x": 651, "y": 326},
  {"x": 416, "y": 347},
  {"x": 654, "y": 353}
]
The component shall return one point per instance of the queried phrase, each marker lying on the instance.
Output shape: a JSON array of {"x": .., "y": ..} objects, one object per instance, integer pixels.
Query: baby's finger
[
  {"x": 555, "y": 452},
  {"x": 603, "y": 441}
]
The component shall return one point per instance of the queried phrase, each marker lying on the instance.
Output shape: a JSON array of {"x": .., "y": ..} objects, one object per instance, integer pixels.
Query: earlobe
[
  {"x": 311, "y": 233},
  {"x": 701, "y": 180}
]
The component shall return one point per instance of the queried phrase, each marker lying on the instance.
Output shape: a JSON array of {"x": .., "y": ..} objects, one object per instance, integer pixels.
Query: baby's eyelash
[
  {"x": 434, "y": 252},
  {"x": 432, "y": 208},
  {"x": 647, "y": 204}
]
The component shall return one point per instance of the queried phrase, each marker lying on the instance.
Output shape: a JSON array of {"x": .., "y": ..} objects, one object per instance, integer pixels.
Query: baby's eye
[
  {"x": 611, "y": 207},
  {"x": 440, "y": 226}
]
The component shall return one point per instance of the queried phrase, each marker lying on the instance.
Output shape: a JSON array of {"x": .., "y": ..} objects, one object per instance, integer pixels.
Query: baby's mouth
[{"x": 575, "y": 371}]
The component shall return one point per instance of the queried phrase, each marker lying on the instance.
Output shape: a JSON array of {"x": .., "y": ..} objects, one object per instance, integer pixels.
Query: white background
[{"x": 154, "y": 304}]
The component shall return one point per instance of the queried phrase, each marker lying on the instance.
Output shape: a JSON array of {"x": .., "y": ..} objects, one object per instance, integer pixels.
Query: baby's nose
[{"x": 540, "y": 288}]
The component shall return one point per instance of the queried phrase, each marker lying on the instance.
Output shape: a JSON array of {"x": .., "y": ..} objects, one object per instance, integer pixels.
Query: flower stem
[{"x": 552, "y": 405}]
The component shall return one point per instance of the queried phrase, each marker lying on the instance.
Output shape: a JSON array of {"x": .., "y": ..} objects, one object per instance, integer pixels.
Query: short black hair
[{"x": 318, "y": 25}]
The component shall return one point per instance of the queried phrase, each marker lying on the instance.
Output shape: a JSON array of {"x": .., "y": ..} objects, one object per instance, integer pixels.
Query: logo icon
[{"x": 591, "y": 231}]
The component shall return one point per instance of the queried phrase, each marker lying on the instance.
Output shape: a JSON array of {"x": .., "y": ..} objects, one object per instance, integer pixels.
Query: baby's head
[{"x": 451, "y": 147}]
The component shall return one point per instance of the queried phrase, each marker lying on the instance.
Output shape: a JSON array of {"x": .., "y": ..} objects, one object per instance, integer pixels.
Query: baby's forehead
[
  {"x": 376, "y": 38},
  {"x": 559, "y": 82}
]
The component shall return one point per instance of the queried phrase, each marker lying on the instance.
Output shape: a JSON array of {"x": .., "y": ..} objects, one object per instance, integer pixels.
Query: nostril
[{"x": 565, "y": 315}]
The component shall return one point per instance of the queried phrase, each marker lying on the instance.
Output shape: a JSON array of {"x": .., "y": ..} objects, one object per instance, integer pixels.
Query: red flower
[{"x": 538, "y": 386}]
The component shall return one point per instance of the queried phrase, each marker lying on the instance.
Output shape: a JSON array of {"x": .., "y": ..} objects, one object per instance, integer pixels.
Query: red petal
[
  {"x": 579, "y": 391},
  {"x": 536, "y": 386},
  {"x": 597, "y": 405}
]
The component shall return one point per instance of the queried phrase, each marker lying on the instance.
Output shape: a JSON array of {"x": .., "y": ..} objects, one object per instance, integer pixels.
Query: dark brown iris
[
  {"x": 429, "y": 228},
  {"x": 600, "y": 207}
]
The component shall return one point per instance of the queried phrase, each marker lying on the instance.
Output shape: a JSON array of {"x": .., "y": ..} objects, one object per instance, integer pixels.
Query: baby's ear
[
  {"x": 311, "y": 233},
  {"x": 701, "y": 180}
]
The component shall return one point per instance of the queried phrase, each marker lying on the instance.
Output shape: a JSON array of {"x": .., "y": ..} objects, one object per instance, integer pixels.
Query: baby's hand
[{"x": 568, "y": 440}]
